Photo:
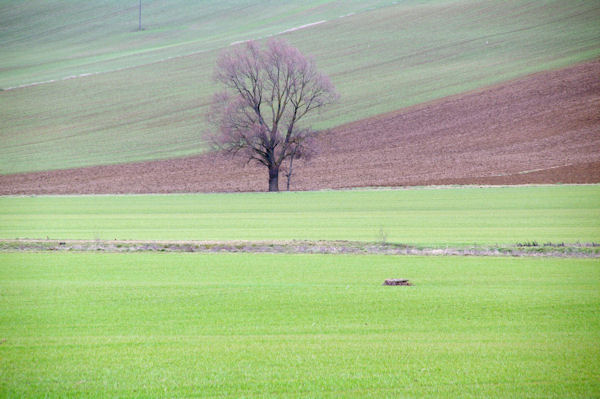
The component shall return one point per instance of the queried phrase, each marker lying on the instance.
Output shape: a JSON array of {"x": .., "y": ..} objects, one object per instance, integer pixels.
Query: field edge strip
[{"x": 532, "y": 248}]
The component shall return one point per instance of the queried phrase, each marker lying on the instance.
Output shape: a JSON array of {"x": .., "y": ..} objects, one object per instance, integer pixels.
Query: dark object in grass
[
  {"x": 395, "y": 281},
  {"x": 528, "y": 244}
]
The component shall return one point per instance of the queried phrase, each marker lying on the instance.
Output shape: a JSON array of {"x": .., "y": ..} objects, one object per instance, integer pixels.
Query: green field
[
  {"x": 263, "y": 325},
  {"x": 434, "y": 217},
  {"x": 52, "y": 39},
  {"x": 226, "y": 325},
  {"x": 145, "y": 105},
  {"x": 79, "y": 86}
]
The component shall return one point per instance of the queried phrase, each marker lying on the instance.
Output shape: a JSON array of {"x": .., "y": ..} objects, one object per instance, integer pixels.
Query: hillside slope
[
  {"x": 386, "y": 56},
  {"x": 47, "y": 40},
  {"x": 544, "y": 128}
]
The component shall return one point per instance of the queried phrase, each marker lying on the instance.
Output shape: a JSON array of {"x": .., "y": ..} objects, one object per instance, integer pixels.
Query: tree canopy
[{"x": 268, "y": 91}]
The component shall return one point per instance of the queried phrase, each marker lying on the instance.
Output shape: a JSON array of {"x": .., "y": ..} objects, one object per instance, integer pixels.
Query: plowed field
[{"x": 544, "y": 128}]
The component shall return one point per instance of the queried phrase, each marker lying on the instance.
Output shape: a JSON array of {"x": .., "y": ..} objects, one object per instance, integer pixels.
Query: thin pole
[{"x": 140, "y": 24}]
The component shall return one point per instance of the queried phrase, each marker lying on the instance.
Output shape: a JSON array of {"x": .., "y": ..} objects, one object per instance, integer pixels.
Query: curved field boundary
[{"x": 544, "y": 128}]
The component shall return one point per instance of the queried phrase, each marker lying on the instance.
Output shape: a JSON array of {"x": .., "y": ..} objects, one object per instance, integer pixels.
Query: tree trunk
[
  {"x": 289, "y": 173},
  {"x": 273, "y": 178}
]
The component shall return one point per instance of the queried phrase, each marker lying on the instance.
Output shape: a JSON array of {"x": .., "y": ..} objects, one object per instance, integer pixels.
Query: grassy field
[
  {"x": 263, "y": 325},
  {"x": 434, "y": 217},
  {"x": 190, "y": 325},
  {"x": 51, "y": 39},
  {"x": 385, "y": 56}
]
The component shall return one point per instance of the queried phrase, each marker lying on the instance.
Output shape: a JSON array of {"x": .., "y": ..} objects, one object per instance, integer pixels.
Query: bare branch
[{"x": 268, "y": 91}]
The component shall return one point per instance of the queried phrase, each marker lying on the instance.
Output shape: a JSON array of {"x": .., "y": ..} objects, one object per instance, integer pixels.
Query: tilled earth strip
[{"x": 578, "y": 250}]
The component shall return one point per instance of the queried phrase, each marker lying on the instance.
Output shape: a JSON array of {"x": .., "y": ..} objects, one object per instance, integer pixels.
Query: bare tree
[
  {"x": 268, "y": 92},
  {"x": 305, "y": 148}
]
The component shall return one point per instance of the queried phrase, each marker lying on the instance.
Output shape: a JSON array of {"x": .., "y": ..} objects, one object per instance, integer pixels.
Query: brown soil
[{"x": 544, "y": 128}]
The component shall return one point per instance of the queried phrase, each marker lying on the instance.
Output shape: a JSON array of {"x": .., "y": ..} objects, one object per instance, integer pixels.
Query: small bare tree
[
  {"x": 305, "y": 147},
  {"x": 268, "y": 92}
]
